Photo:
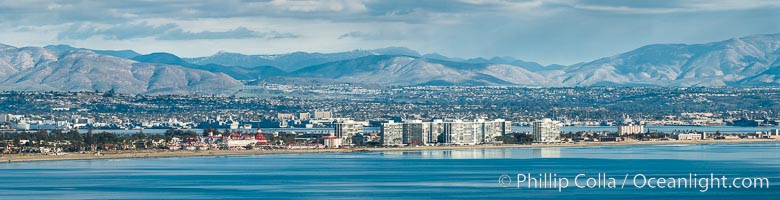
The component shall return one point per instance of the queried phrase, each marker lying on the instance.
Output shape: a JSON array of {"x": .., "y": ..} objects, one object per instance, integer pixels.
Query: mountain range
[
  {"x": 55, "y": 68},
  {"x": 746, "y": 61}
]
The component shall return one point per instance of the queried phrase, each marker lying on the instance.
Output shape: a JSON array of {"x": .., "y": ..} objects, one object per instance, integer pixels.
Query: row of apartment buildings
[
  {"x": 453, "y": 132},
  {"x": 456, "y": 132}
]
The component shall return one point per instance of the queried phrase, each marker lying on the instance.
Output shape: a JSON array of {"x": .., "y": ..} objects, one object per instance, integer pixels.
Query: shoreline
[{"x": 14, "y": 158}]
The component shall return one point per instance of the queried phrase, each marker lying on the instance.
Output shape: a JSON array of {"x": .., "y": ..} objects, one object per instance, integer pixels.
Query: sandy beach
[{"x": 6, "y": 158}]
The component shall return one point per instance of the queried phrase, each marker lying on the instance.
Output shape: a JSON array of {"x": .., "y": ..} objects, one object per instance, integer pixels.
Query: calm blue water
[{"x": 439, "y": 174}]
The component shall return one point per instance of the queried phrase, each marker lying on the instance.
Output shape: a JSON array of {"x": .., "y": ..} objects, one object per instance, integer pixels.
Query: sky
[{"x": 544, "y": 31}]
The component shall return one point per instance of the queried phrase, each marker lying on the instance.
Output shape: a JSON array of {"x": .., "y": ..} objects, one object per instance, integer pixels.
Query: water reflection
[
  {"x": 456, "y": 153},
  {"x": 552, "y": 152},
  {"x": 428, "y": 174},
  {"x": 743, "y": 152}
]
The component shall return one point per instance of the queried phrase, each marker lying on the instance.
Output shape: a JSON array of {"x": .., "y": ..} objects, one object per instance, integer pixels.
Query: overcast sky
[{"x": 554, "y": 31}]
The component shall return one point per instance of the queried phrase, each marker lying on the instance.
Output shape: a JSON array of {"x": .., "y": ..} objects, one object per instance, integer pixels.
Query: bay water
[{"x": 428, "y": 174}]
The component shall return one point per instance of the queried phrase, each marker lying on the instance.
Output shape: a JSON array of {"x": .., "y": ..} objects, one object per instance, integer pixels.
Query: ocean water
[{"x": 434, "y": 174}]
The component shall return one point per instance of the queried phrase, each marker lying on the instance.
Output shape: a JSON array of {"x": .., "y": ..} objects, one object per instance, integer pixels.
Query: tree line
[{"x": 73, "y": 140}]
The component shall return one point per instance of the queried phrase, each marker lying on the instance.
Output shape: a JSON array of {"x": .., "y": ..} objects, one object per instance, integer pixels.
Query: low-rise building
[
  {"x": 689, "y": 136},
  {"x": 331, "y": 141},
  {"x": 322, "y": 115},
  {"x": 303, "y": 116},
  {"x": 282, "y": 116}
]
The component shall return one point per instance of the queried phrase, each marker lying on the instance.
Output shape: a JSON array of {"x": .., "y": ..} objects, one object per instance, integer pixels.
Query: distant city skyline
[{"x": 548, "y": 32}]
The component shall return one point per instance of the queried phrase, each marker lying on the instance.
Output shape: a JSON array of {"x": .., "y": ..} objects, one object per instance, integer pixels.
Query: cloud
[
  {"x": 358, "y": 35},
  {"x": 81, "y": 31},
  {"x": 671, "y": 6},
  {"x": 547, "y": 31},
  {"x": 409, "y": 11},
  {"x": 397, "y": 34},
  {"x": 507, "y": 3},
  {"x": 86, "y": 11},
  {"x": 168, "y": 31},
  {"x": 237, "y": 33},
  {"x": 323, "y": 5}
]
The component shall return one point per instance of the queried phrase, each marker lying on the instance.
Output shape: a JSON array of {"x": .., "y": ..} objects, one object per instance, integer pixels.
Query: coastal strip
[{"x": 12, "y": 158}]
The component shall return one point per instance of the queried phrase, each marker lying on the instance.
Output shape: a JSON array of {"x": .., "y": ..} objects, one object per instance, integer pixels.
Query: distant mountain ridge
[
  {"x": 237, "y": 72},
  {"x": 61, "y": 69},
  {"x": 408, "y": 70},
  {"x": 726, "y": 63},
  {"x": 294, "y": 61},
  {"x": 746, "y": 61},
  {"x": 115, "y": 53}
]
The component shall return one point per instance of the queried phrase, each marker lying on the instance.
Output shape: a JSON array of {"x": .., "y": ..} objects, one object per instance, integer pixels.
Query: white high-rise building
[
  {"x": 474, "y": 132},
  {"x": 629, "y": 129},
  {"x": 547, "y": 131},
  {"x": 391, "y": 133},
  {"x": 457, "y": 132},
  {"x": 415, "y": 132},
  {"x": 493, "y": 129},
  {"x": 347, "y": 129},
  {"x": 435, "y": 131}
]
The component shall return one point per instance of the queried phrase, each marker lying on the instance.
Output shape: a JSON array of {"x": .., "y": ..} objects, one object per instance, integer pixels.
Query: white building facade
[
  {"x": 346, "y": 130},
  {"x": 391, "y": 133},
  {"x": 629, "y": 129},
  {"x": 455, "y": 132},
  {"x": 547, "y": 131}
]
